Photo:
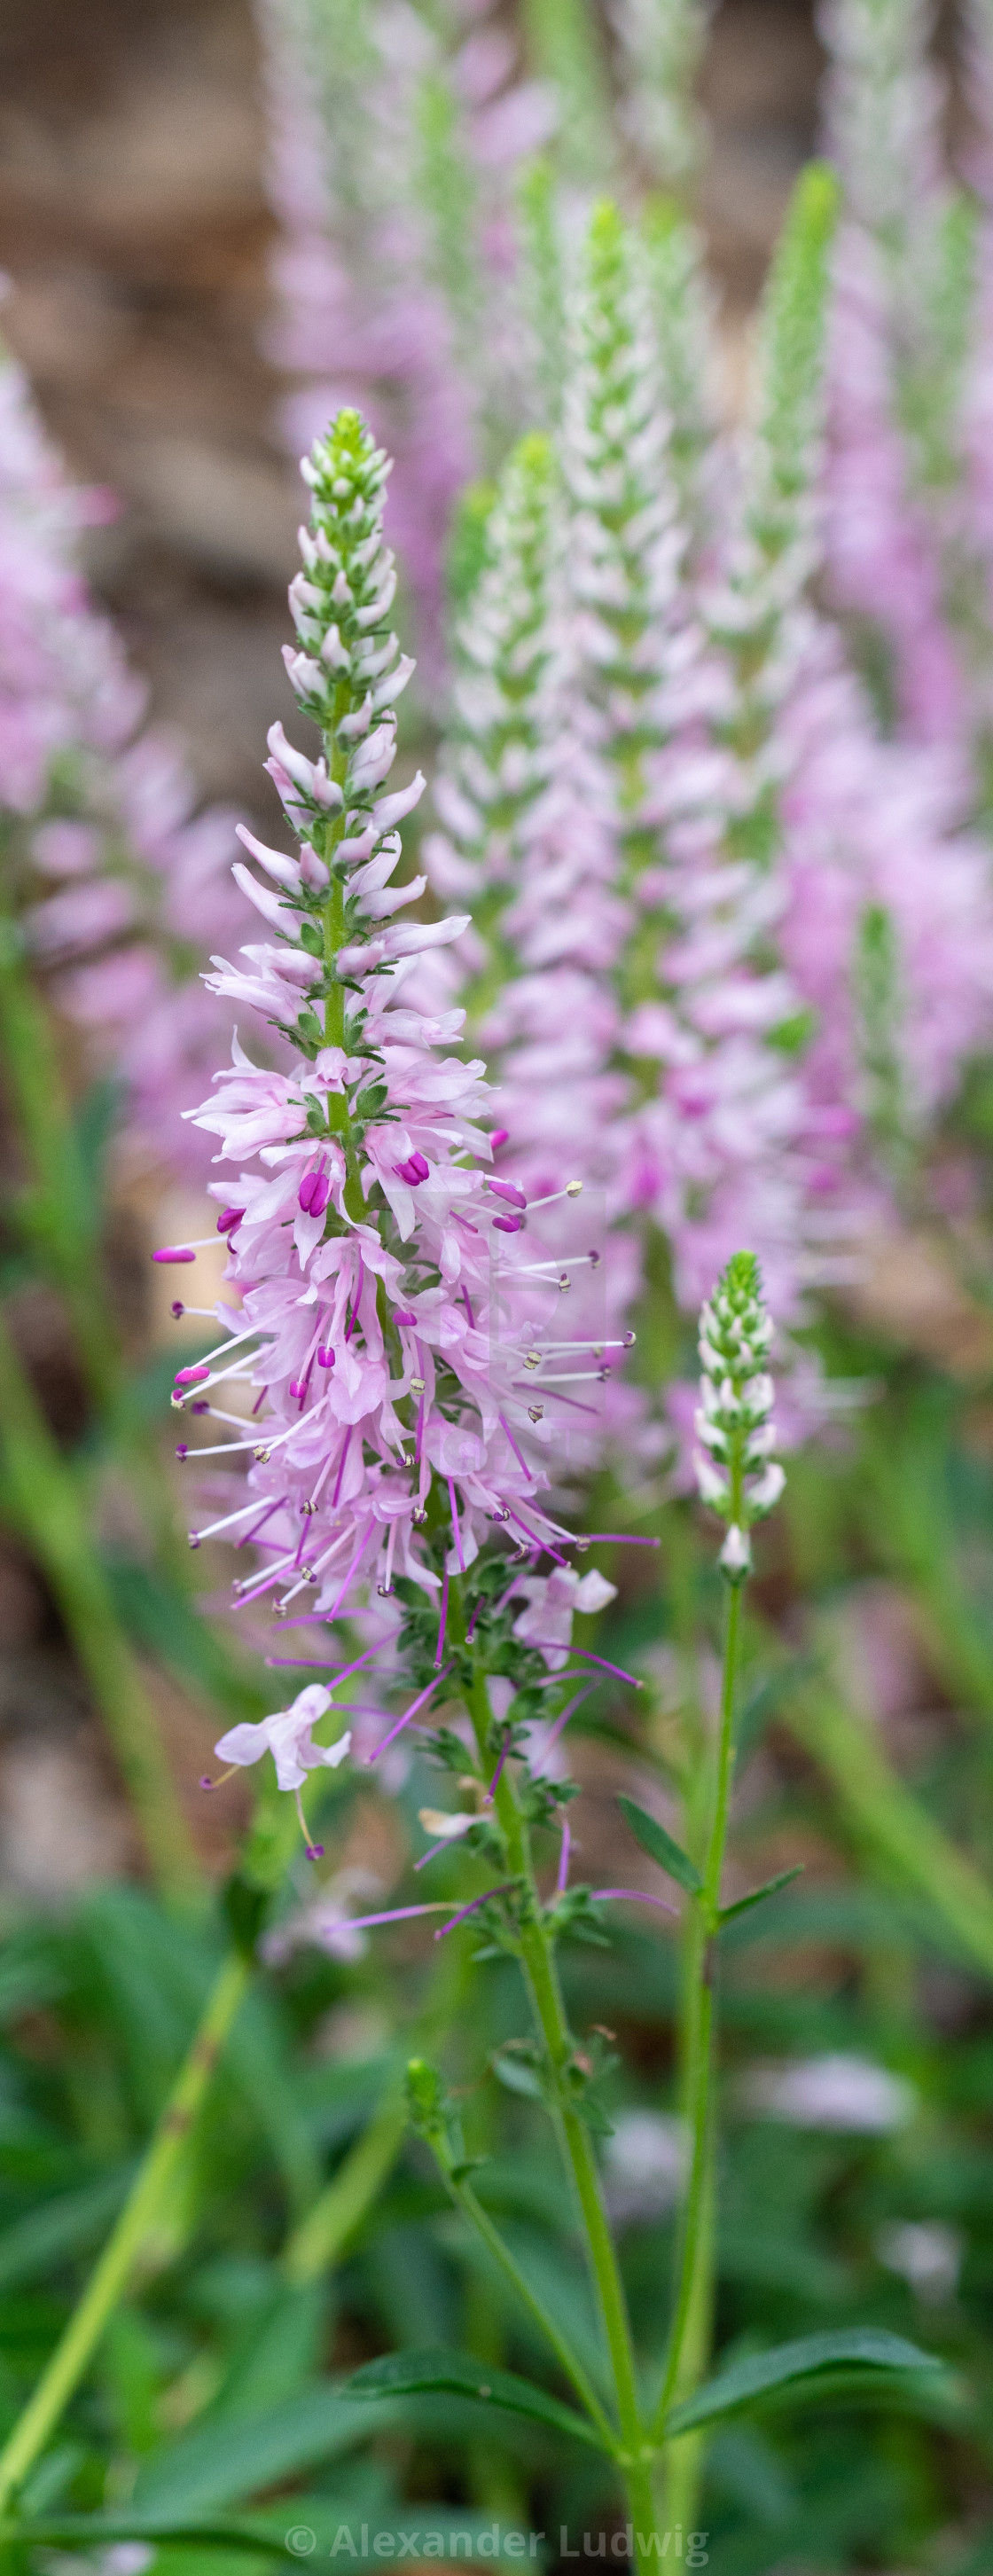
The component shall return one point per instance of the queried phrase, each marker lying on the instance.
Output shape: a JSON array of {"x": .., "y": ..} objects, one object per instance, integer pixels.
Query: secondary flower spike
[
  {"x": 385, "y": 1311},
  {"x": 735, "y": 1470},
  {"x": 114, "y": 879}
]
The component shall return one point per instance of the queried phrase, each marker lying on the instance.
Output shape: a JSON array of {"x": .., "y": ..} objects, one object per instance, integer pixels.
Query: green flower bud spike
[{"x": 736, "y": 1474}]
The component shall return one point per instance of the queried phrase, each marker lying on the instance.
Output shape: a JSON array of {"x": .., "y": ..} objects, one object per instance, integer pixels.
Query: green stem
[
  {"x": 684, "y": 2457},
  {"x": 541, "y": 1978},
  {"x": 40, "y": 1499},
  {"x": 465, "y": 2200},
  {"x": 110, "y": 2278},
  {"x": 694, "y": 2249}
]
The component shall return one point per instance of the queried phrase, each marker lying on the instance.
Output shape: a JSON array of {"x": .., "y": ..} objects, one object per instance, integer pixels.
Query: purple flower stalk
[
  {"x": 909, "y": 519},
  {"x": 117, "y": 873},
  {"x": 390, "y": 155},
  {"x": 525, "y": 830},
  {"x": 425, "y": 1314}
]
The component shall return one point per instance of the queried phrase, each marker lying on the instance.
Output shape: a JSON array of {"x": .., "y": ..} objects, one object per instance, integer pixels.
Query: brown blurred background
[{"x": 135, "y": 231}]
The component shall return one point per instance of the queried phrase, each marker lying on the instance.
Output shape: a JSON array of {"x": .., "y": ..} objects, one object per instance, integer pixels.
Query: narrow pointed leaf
[
  {"x": 825, "y": 2358},
  {"x": 61, "y": 2228},
  {"x": 660, "y": 1847},
  {"x": 434, "y": 2371},
  {"x": 757, "y": 1895},
  {"x": 97, "y": 2530},
  {"x": 217, "y": 2463}
]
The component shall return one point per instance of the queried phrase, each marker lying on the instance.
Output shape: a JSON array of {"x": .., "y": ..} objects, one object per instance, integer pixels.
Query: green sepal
[
  {"x": 771, "y": 1887},
  {"x": 660, "y": 1847}
]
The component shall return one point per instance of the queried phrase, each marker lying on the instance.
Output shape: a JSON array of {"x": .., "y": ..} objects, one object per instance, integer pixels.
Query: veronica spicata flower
[{"x": 391, "y": 1294}]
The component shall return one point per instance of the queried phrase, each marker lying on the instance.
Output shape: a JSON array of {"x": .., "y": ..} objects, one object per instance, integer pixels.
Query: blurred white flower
[
  {"x": 925, "y": 2252},
  {"x": 833, "y": 2092},
  {"x": 326, "y": 1922},
  {"x": 644, "y": 2165}
]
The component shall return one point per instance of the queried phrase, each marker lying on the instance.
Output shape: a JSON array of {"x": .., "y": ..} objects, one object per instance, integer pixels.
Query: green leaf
[
  {"x": 220, "y": 2462},
  {"x": 661, "y": 1848},
  {"x": 757, "y": 1895},
  {"x": 69, "y": 2225},
  {"x": 435, "y": 2372},
  {"x": 97, "y": 2530},
  {"x": 824, "y": 2357},
  {"x": 276, "y": 2354}
]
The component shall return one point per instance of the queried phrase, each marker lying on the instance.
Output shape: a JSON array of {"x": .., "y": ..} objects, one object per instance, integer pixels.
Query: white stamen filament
[
  {"x": 571, "y": 1191},
  {"x": 247, "y": 1336},
  {"x": 618, "y": 1345},
  {"x": 532, "y": 1269},
  {"x": 229, "y": 1519},
  {"x": 220, "y": 1449},
  {"x": 571, "y": 1377}
]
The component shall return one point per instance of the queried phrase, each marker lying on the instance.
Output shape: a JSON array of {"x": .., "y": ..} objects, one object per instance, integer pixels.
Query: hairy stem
[
  {"x": 541, "y": 1978},
  {"x": 108, "y": 2282},
  {"x": 466, "y": 2201},
  {"x": 694, "y": 2251}
]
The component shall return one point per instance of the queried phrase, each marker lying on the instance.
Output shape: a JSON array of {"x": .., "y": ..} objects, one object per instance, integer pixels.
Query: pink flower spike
[
  {"x": 411, "y": 1712},
  {"x": 563, "y": 1871},
  {"x": 445, "y": 1928}
]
